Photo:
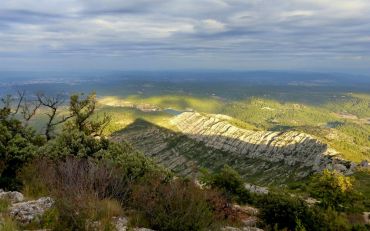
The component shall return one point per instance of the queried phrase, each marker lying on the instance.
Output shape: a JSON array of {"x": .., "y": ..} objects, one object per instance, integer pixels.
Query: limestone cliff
[
  {"x": 293, "y": 148},
  {"x": 202, "y": 140}
]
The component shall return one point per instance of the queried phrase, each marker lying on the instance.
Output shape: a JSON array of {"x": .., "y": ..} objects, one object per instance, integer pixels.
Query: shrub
[
  {"x": 223, "y": 211},
  {"x": 74, "y": 143},
  {"x": 83, "y": 188},
  {"x": 335, "y": 190},
  {"x": 174, "y": 205},
  {"x": 229, "y": 182},
  {"x": 18, "y": 144},
  {"x": 78, "y": 144},
  {"x": 327, "y": 219},
  {"x": 282, "y": 211}
]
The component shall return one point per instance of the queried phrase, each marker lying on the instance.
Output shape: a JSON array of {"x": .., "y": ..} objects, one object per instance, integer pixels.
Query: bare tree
[
  {"x": 8, "y": 102},
  {"x": 29, "y": 109},
  {"x": 53, "y": 104},
  {"x": 21, "y": 105},
  {"x": 81, "y": 109}
]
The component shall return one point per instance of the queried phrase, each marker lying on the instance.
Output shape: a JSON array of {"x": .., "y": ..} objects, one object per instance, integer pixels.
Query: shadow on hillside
[{"x": 256, "y": 160}]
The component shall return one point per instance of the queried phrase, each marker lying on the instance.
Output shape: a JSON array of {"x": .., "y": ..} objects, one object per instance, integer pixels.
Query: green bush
[
  {"x": 282, "y": 211},
  {"x": 18, "y": 145},
  {"x": 335, "y": 190},
  {"x": 74, "y": 143},
  {"x": 327, "y": 219},
  {"x": 229, "y": 182}
]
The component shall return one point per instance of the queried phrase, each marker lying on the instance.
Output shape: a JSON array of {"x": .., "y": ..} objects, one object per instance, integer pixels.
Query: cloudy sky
[{"x": 316, "y": 35}]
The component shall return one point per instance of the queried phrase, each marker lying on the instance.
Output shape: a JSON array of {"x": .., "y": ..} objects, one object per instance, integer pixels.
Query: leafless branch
[
  {"x": 29, "y": 109},
  {"x": 53, "y": 104}
]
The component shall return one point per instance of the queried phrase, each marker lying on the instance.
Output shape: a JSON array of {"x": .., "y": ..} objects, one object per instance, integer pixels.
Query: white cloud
[
  {"x": 232, "y": 29},
  {"x": 211, "y": 26},
  {"x": 298, "y": 13}
]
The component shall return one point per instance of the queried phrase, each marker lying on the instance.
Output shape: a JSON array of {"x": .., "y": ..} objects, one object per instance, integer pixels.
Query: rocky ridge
[
  {"x": 292, "y": 148},
  {"x": 211, "y": 141}
]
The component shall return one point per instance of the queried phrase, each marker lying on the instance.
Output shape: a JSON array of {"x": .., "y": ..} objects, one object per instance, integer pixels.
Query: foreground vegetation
[{"x": 94, "y": 180}]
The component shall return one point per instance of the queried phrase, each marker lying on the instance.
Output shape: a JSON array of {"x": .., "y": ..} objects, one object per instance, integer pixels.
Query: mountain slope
[
  {"x": 292, "y": 148},
  {"x": 208, "y": 141}
]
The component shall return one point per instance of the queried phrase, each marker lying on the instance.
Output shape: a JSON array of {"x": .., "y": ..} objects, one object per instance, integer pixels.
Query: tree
[
  {"x": 21, "y": 105},
  {"x": 80, "y": 113},
  {"x": 334, "y": 190},
  {"x": 82, "y": 110},
  {"x": 18, "y": 144},
  {"x": 53, "y": 104}
]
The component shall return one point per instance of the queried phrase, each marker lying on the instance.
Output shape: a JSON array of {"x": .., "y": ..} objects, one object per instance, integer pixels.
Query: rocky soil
[{"x": 24, "y": 212}]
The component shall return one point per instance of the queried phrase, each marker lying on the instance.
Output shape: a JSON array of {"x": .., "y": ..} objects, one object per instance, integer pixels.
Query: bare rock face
[
  {"x": 291, "y": 148},
  {"x": 25, "y": 212},
  {"x": 256, "y": 189},
  {"x": 261, "y": 157},
  {"x": 13, "y": 197}
]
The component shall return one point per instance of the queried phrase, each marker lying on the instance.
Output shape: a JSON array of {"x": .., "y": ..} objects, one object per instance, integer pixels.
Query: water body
[{"x": 173, "y": 111}]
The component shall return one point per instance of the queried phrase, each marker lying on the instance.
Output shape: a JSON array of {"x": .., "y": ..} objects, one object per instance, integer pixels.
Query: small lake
[{"x": 174, "y": 111}]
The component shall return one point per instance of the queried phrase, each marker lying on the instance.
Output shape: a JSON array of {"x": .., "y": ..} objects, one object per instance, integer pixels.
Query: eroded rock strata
[
  {"x": 262, "y": 157},
  {"x": 292, "y": 148}
]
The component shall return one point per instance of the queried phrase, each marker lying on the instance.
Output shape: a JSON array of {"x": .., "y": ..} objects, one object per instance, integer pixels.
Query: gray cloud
[{"x": 161, "y": 34}]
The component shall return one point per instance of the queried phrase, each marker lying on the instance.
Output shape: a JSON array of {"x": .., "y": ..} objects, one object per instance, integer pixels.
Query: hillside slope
[{"x": 210, "y": 141}]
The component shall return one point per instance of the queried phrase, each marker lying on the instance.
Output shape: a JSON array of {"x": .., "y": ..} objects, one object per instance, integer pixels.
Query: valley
[
  {"x": 326, "y": 117},
  {"x": 272, "y": 137}
]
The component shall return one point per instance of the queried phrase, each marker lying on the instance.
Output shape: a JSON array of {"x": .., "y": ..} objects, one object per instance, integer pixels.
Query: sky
[{"x": 314, "y": 35}]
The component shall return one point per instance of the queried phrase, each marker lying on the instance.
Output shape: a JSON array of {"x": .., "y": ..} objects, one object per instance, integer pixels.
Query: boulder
[
  {"x": 13, "y": 197},
  {"x": 120, "y": 224},
  {"x": 26, "y": 212},
  {"x": 256, "y": 189}
]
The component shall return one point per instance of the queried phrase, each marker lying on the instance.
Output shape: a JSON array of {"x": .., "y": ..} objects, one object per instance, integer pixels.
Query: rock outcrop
[
  {"x": 292, "y": 148},
  {"x": 261, "y": 157},
  {"x": 26, "y": 212},
  {"x": 121, "y": 224},
  {"x": 13, "y": 197}
]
